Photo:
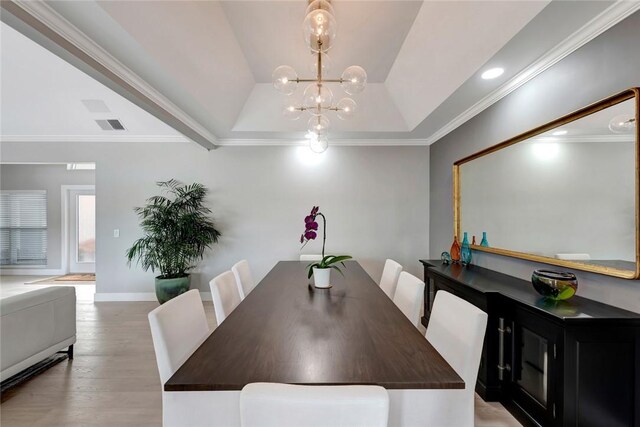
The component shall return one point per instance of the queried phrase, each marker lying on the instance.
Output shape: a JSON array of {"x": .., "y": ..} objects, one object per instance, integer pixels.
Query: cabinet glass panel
[{"x": 534, "y": 368}]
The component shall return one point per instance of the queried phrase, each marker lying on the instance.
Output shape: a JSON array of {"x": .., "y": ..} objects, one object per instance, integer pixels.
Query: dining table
[{"x": 288, "y": 331}]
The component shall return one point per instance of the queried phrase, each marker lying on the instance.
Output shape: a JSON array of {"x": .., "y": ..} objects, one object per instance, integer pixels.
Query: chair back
[
  {"x": 409, "y": 296},
  {"x": 178, "y": 327},
  {"x": 244, "y": 278},
  {"x": 278, "y": 405},
  {"x": 389, "y": 279},
  {"x": 311, "y": 257},
  {"x": 225, "y": 295},
  {"x": 456, "y": 329}
]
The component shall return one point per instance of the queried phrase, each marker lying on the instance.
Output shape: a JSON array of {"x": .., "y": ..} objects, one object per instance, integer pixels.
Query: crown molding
[
  {"x": 222, "y": 142},
  {"x": 47, "y": 16},
  {"x": 94, "y": 138},
  {"x": 332, "y": 142},
  {"x": 605, "y": 20}
]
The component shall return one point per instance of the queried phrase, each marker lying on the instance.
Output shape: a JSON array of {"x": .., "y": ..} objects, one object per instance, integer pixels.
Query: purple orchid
[{"x": 311, "y": 227}]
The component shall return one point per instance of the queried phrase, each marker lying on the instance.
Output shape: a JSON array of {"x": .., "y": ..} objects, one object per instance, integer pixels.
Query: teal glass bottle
[
  {"x": 484, "y": 241},
  {"x": 465, "y": 252}
]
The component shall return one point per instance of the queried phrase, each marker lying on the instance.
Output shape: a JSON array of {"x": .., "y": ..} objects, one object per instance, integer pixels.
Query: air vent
[{"x": 110, "y": 124}]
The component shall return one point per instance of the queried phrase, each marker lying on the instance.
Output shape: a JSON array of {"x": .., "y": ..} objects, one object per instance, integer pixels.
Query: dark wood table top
[{"x": 289, "y": 332}]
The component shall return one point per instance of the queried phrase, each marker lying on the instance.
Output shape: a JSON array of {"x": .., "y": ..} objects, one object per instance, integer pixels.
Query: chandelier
[{"x": 319, "y": 27}]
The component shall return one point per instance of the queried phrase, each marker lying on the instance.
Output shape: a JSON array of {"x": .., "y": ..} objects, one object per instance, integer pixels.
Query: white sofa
[{"x": 34, "y": 325}]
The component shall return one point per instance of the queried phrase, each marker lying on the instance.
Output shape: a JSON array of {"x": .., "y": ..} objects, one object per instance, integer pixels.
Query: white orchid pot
[{"x": 321, "y": 277}]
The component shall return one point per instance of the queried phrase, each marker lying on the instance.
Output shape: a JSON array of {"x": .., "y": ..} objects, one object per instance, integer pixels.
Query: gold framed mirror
[{"x": 566, "y": 193}]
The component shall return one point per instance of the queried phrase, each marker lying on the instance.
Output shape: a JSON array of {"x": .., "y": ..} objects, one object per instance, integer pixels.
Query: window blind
[{"x": 23, "y": 228}]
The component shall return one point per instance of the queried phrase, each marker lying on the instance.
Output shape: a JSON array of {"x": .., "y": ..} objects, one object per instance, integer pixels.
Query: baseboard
[
  {"x": 135, "y": 296},
  {"x": 31, "y": 272}
]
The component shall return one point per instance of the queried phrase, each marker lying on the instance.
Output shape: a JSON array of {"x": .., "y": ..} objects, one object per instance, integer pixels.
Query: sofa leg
[{"x": 70, "y": 352}]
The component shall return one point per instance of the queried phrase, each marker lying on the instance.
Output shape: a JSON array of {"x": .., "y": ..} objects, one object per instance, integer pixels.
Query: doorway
[{"x": 81, "y": 227}]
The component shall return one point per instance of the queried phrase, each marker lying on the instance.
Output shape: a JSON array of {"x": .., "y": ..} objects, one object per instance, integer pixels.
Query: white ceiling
[
  {"x": 371, "y": 34},
  {"x": 213, "y": 59},
  {"x": 42, "y": 95}
]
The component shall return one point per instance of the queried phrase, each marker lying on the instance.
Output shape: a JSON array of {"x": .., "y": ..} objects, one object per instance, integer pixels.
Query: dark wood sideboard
[{"x": 566, "y": 363}]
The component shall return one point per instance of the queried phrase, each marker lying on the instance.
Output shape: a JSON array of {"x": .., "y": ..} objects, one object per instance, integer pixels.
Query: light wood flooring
[{"x": 113, "y": 379}]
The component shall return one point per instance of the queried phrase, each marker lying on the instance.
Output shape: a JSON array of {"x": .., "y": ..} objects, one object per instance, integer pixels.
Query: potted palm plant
[
  {"x": 177, "y": 230},
  {"x": 321, "y": 270}
]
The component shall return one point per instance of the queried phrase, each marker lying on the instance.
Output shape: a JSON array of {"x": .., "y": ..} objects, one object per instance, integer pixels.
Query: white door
[{"x": 82, "y": 231}]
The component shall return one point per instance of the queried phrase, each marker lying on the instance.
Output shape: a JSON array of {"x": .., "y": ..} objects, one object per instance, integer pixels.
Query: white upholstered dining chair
[
  {"x": 409, "y": 296},
  {"x": 178, "y": 328},
  {"x": 244, "y": 278},
  {"x": 225, "y": 295},
  {"x": 456, "y": 330},
  {"x": 389, "y": 279},
  {"x": 285, "y": 405},
  {"x": 311, "y": 257}
]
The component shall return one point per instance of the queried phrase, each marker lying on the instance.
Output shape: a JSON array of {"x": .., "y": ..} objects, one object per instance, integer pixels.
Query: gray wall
[
  {"x": 50, "y": 178},
  {"x": 375, "y": 200},
  {"x": 607, "y": 65}
]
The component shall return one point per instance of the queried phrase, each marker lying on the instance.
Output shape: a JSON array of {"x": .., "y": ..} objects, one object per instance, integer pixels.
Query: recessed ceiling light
[
  {"x": 559, "y": 132},
  {"x": 492, "y": 73}
]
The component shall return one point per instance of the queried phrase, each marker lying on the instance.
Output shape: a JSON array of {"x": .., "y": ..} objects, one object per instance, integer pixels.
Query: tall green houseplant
[{"x": 177, "y": 230}]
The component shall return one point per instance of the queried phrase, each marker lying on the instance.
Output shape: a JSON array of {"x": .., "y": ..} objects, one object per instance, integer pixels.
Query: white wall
[
  {"x": 49, "y": 178},
  {"x": 375, "y": 200}
]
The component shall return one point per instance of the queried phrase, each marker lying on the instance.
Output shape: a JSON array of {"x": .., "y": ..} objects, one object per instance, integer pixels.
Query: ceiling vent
[
  {"x": 110, "y": 124},
  {"x": 95, "y": 106}
]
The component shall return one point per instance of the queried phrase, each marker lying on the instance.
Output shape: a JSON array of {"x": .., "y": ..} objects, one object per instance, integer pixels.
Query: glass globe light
[
  {"x": 346, "y": 108},
  {"x": 326, "y": 64},
  {"x": 624, "y": 123},
  {"x": 354, "y": 79},
  {"x": 291, "y": 111},
  {"x": 316, "y": 98},
  {"x": 318, "y": 125},
  {"x": 319, "y": 144},
  {"x": 284, "y": 79},
  {"x": 319, "y": 4},
  {"x": 319, "y": 29}
]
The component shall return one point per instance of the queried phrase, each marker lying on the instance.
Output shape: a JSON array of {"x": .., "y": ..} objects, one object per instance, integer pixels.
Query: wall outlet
[{"x": 116, "y": 232}]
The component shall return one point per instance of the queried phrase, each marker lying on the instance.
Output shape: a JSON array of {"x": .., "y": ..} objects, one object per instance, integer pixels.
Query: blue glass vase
[
  {"x": 484, "y": 241},
  {"x": 465, "y": 252}
]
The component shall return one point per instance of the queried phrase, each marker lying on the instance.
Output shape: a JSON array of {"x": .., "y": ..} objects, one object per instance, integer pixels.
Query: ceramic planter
[
  {"x": 171, "y": 288},
  {"x": 321, "y": 277}
]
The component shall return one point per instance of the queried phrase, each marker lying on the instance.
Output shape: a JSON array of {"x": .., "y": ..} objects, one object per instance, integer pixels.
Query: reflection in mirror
[{"x": 568, "y": 193}]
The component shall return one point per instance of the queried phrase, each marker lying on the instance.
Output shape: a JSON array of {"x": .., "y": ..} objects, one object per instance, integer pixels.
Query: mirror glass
[{"x": 567, "y": 194}]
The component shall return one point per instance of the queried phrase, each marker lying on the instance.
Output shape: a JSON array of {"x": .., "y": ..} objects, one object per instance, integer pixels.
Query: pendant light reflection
[{"x": 624, "y": 123}]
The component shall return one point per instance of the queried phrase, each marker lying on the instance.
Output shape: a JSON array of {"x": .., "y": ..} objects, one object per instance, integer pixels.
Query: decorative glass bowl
[{"x": 555, "y": 285}]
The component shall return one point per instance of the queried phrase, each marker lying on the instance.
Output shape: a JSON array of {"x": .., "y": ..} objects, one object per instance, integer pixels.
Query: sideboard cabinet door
[{"x": 535, "y": 354}]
